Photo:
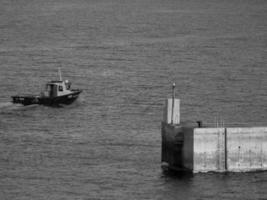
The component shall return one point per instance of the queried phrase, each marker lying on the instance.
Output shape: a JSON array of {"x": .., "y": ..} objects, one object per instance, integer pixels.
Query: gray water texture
[{"x": 125, "y": 54}]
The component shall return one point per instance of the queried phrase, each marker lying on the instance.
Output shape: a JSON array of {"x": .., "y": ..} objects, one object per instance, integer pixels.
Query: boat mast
[{"x": 59, "y": 73}]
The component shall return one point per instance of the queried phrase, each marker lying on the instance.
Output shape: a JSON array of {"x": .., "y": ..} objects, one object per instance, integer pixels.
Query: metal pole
[
  {"x": 59, "y": 73},
  {"x": 173, "y": 98}
]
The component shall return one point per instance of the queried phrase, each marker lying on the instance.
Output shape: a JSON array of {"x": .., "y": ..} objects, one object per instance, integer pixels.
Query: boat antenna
[
  {"x": 173, "y": 99},
  {"x": 59, "y": 73}
]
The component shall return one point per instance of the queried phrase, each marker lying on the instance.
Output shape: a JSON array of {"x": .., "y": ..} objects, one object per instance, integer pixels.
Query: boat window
[
  {"x": 68, "y": 85},
  {"x": 60, "y": 88}
]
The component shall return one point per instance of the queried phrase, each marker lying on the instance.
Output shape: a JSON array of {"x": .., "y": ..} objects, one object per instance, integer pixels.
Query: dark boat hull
[{"x": 48, "y": 101}]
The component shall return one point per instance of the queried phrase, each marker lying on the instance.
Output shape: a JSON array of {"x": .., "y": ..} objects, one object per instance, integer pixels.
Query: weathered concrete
[
  {"x": 230, "y": 149},
  {"x": 247, "y": 149},
  {"x": 171, "y": 151},
  {"x": 214, "y": 149},
  {"x": 186, "y": 147},
  {"x": 209, "y": 146}
]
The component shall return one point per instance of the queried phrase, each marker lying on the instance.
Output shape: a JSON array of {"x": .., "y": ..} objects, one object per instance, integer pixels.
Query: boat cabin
[{"x": 57, "y": 88}]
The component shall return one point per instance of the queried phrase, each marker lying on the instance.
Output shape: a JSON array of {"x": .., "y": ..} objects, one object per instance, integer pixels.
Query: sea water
[{"x": 125, "y": 55}]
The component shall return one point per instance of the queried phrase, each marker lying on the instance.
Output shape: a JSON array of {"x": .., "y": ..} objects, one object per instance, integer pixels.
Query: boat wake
[
  {"x": 6, "y": 104},
  {"x": 6, "y": 107}
]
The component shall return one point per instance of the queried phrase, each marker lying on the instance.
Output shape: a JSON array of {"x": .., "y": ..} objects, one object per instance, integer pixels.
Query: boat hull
[{"x": 48, "y": 101}]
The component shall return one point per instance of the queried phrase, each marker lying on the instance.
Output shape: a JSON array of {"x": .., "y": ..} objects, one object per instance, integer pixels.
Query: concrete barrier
[
  {"x": 247, "y": 148},
  {"x": 209, "y": 149},
  {"x": 186, "y": 147},
  {"x": 171, "y": 149},
  {"x": 230, "y": 149}
]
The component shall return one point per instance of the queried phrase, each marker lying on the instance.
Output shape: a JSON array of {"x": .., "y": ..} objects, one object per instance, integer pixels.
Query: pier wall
[
  {"x": 230, "y": 149},
  {"x": 203, "y": 149},
  {"x": 215, "y": 149},
  {"x": 247, "y": 148},
  {"x": 188, "y": 148},
  {"x": 209, "y": 149},
  {"x": 171, "y": 148}
]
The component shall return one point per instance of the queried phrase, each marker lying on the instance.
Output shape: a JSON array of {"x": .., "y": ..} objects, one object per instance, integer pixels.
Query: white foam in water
[
  {"x": 5, "y": 104},
  {"x": 8, "y": 106}
]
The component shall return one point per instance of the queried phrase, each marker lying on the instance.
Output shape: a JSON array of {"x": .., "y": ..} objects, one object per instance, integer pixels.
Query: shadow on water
[
  {"x": 214, "y": 185},
  {"x": 173, "y": 174},
  {"x": 183, "y": 175}
]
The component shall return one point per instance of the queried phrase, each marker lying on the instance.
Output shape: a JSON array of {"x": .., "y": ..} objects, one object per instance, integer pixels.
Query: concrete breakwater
[{"x": 202, "y": 149}]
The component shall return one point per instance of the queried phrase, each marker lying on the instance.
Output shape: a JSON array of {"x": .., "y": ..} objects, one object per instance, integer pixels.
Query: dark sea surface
[{"x": 125, "y": 54}]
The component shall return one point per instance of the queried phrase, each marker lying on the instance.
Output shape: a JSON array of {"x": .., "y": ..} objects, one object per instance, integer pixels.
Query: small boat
[{"x": 56, "y": 93}]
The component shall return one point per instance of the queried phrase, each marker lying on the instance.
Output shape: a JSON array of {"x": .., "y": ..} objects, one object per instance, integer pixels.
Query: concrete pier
[{"x": 202, "y": 149}]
